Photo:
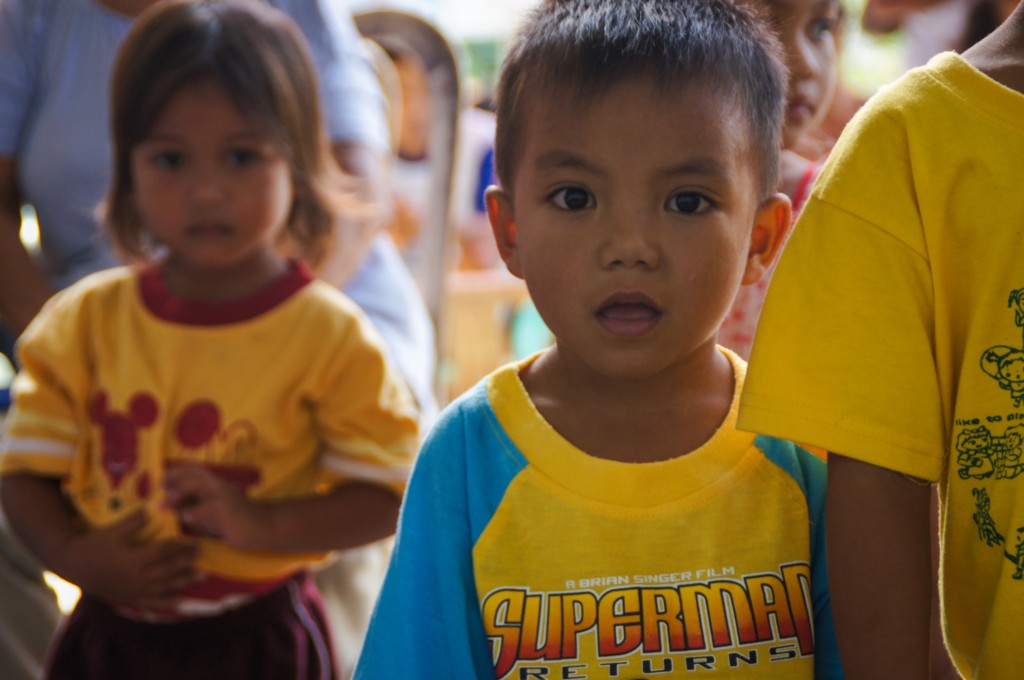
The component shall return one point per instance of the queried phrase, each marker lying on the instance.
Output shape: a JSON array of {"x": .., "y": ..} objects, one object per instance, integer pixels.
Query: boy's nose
[{"x": 629, "y": 245}]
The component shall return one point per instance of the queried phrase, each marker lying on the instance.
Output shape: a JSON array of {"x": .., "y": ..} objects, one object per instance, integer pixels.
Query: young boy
[
  {"x": 592, "y": 512},
  {"x": 892, "y": 336}
]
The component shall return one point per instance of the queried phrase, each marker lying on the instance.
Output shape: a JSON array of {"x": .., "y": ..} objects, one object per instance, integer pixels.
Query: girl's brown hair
[{"x": 258, "y": 56}]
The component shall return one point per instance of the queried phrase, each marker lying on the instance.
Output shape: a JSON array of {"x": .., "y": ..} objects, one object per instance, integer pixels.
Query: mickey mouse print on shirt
[
  {"x": 198, "y": 435},
  {"x": 119, "y": 455}
]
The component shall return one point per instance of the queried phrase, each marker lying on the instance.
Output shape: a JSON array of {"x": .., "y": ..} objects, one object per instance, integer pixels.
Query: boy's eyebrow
[
  {"x": 706, "y": 167},
  {"x": 559, "y": 159}
]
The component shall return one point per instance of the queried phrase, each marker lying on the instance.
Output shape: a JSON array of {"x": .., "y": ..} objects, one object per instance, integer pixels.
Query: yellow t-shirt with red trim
[{"x": 283, "y": 393}]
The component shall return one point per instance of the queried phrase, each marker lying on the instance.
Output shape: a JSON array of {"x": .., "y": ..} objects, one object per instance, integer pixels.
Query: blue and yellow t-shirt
[{"x": 521, "y": 556}]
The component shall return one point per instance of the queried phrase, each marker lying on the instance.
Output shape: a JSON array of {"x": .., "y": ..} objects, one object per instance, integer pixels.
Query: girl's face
[
  {"x": 213, "y": 187},
  {"x": 806, "y": 29}
]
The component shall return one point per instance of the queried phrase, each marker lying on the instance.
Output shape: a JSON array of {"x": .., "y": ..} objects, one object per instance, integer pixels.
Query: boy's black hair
[{"x": 579, "y": 49}]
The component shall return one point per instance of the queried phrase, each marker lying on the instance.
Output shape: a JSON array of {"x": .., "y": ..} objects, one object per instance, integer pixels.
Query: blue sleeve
[
  {"x": 809, "y": 472},
  {"x": 427, "y": 623}
]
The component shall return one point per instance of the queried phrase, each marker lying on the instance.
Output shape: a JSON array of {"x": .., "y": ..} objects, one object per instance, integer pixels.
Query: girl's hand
[
  {"x": 207, "y": 505},
  {"x": 111, "y": 564}
]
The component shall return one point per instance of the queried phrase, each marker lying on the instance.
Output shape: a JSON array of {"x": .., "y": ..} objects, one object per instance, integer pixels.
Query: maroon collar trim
[{"x": 158, "y": 300}]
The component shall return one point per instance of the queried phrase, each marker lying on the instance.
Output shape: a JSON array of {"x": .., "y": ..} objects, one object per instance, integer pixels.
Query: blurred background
[
  {"x": 481, "y": 28},
  {"x": 483, "y": 316}
]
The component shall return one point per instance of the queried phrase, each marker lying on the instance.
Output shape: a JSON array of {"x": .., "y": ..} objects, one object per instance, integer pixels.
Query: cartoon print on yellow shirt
[
  {"x": 989, "y": 447},
  {"x": 198, "y": 438},
  {"x": 981, "y": 451},
  {"x": 982, "y": 455},
  {"x": 229, "y": 451},
  {"x": 986, "y": 526},
  {"x": 1006, "y": 364},
  {"x": 988, "y": 532},
  {"x": 119, "y": 454}
]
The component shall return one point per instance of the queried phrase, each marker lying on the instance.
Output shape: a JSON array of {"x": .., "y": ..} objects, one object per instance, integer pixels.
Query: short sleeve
[
  {"x": 426, "y": 622},
  {"x": 17, "y": 38},
  {"x": 365, "y": 415},
  {"x": 49, "y": 414},
  {"x": 844, "y": 356},
  {"x": 350, "y": 94}
]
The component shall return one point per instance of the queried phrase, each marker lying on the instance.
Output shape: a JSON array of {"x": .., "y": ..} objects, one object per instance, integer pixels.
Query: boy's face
[{"x": 634, "y": 219}]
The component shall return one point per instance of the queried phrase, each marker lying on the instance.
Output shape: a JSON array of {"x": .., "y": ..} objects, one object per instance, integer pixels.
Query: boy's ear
[
  {"x": 771, "y": 227},
  {"x": 503, "y": 226}
]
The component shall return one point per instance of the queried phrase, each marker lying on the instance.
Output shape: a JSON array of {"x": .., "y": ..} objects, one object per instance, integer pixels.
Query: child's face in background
[
  {"x": 806, "y": 29},
  {"x": 631, "y": 221},
  {"x": 212, "y": 186}
]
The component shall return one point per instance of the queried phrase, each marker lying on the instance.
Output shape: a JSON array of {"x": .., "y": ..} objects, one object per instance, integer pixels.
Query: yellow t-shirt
[
  {"x": 893, "y": 330},
  {"x": 284, "y": 393}
]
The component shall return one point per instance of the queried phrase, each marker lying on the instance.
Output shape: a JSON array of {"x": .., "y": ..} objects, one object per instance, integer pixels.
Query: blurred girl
[
  {"x": 190, "y": 434},
  {"x": 806, "y": 29}
]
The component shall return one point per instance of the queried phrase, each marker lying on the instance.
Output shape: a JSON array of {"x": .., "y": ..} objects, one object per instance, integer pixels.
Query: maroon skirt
[{"x": 282, "y": 634}]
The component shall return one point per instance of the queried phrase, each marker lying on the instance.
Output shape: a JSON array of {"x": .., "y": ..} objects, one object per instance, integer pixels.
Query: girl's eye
[
  {"x": 168, "y": 160},
  {"x": 823, "y": 26},
  {"x": 688, "y": 203},
  {"x": 240, "y": 157},
  {"x": 572, "y": 198}
]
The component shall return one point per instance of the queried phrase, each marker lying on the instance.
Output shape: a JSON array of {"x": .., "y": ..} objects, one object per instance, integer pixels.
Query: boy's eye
[
  {"x": 240, "y": 157},
  {"x": 688, "y": 203},
  {"x": 572, "y": 198}
]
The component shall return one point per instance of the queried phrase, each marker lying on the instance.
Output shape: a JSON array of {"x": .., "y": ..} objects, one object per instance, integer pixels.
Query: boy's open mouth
[{"x": 629, "y": 314}]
